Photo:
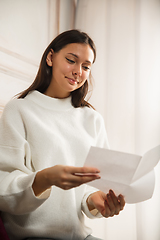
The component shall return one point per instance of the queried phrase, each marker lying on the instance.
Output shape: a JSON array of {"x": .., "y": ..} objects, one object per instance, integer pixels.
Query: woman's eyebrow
[
  {"x": 87, "y": 61},
  {"x": 73, "y": 55}
]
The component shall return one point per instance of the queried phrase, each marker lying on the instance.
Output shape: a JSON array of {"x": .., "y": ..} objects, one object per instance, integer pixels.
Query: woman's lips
[{"x": 72, "y": 81}]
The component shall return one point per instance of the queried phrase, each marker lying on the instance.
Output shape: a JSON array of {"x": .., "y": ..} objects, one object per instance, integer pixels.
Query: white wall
[{"x": 26, "y": 28}]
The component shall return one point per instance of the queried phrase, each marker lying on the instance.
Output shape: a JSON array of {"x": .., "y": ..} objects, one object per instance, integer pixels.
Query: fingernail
[
  {"x": 98, "y": 177},
  {"x": 120, "y": 196}
]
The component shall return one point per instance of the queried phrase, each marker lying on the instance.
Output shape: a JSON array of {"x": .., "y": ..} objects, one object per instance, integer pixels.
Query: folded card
[{"x": 127, "y": 174}]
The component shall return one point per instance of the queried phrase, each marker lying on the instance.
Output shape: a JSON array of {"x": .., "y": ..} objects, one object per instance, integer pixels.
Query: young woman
[{"x": 45, "y": 136}]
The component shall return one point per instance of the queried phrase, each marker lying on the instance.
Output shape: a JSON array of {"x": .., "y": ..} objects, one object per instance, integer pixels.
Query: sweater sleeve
[
  {"x": 90, "y": 214},
  {"x": 16, "y": 178}
]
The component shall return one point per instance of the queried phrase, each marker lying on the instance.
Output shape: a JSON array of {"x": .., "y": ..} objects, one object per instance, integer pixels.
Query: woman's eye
[
  {"x": 86, "y": 68},
  {"x": 70, "y": 61}
]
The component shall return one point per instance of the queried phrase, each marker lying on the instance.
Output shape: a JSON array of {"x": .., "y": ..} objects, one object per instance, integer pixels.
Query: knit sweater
[{"x": 35, "y": 133}]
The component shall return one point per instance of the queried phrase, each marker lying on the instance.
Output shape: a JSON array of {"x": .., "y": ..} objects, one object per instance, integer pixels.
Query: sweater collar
[{"x": 49, "y": 102}]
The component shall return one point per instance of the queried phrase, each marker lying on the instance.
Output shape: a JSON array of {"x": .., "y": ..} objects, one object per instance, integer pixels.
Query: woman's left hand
[{"x": 107, "y": 204}]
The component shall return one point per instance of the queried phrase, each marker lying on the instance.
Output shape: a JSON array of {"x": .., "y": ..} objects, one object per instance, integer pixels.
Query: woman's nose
[{"x": 77, "y": 71}]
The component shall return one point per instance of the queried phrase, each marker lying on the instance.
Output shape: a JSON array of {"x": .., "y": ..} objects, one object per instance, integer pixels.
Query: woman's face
[{"x": 70, "y": 69}]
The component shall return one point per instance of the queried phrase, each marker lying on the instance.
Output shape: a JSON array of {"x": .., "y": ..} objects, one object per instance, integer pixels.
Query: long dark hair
[{"x": 44, "y": 75}]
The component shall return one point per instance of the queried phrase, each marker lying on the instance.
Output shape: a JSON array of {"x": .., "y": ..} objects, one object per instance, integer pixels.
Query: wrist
[
  {"x": 90, "y": 203},
  {"x": 41, "y": 182}
]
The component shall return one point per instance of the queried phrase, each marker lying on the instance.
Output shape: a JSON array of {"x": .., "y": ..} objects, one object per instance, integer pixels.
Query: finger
[
  {"x": 106, "y": 212},
  {"x": 111, "y": 205},
  {"x": 70, "y": 179},
  {"x": 81, "y": 179},
  {"x": 84, "y": 170},
  {"x": 115, "y": 202},
  {"x": 121, "y": 201}
]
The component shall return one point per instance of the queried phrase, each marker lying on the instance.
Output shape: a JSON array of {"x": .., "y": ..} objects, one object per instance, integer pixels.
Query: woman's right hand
[{"x": 65, "y": 177}]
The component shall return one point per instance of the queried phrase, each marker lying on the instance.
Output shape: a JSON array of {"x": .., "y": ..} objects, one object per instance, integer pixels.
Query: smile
[{"x": 72, "y": 81}]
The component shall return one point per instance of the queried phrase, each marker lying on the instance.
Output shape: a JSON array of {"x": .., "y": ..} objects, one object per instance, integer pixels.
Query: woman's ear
[{"x": 49, "y": 58}]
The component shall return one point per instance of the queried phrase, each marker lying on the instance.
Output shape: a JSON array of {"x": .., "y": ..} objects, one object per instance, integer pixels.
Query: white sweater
[{"x": 35, "y": 133}]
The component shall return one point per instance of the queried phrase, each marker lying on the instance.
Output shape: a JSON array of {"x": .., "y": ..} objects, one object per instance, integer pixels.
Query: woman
[{"x": 45, "y": 136}]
